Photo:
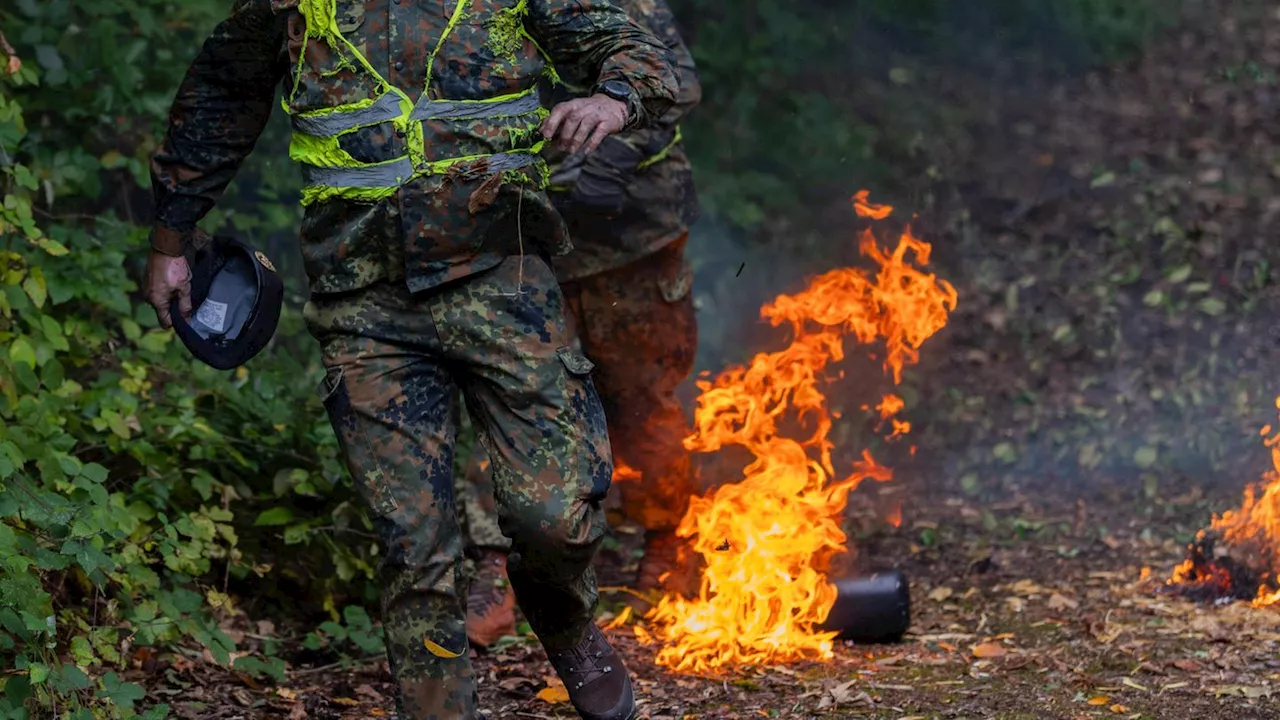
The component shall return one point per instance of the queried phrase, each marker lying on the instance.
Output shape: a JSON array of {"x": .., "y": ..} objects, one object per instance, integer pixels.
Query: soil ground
[{"x": 1093, "y": 401}]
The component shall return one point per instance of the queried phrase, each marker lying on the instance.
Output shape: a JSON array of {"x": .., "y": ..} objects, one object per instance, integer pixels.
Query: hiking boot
[
  {"x": 598, "y": 683},
  {"x": 664, "y": 568},
  {"x": 491, "y": 605}
]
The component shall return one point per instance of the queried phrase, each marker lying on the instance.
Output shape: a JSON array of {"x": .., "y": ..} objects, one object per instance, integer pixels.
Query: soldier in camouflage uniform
[
  {"x": 629, "y": 205},
  {"x": 427, "y": 240}
]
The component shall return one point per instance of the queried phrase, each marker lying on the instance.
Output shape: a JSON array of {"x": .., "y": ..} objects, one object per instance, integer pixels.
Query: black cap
[{"x": 236, "y": 296}]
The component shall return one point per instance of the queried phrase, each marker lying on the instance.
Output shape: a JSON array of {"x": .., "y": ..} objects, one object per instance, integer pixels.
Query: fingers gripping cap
[{"x": 236, "y": 296}]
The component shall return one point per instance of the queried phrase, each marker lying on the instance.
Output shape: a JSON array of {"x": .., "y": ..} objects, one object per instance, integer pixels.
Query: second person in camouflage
[
  {"x": 427, "y": 239},
  {"x": 629, "y": 205}
]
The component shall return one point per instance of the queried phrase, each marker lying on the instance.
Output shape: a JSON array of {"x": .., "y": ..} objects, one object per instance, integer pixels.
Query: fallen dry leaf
[
  {"x": 1118, "y": 709},
  {"x": 1134, "y": 685},
  {"x": 1099, "y": 700},
  {"x": 242, "y": 696},
  {"x": 844, "y": 693},
  {"x": 554, "y": 693},
  {"x": 989, "y": 650},
  {"x": 939, "y": 594},
  {"x": 1026, "y": 588},
  {"x": 1061, "y": 602},
  {"x": 345, "y": 701},
  {"x": 513, "y": 684}
]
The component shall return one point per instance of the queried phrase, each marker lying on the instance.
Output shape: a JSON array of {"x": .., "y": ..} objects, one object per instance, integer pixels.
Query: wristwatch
[{"x": 621, "y": 92}]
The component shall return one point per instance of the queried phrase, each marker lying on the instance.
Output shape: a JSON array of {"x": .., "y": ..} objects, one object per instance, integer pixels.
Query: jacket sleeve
[
  {"x": 596, "y": 39},
  {"x": 220, "y": 110},
  {"x": 648, "y": 141}
]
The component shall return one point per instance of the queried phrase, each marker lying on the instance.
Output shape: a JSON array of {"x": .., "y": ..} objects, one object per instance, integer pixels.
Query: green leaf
[
  {"x": 70, "y": 678},
  {"x": 295, "y": 534},
  {"x": 22, "y": 352},
  {"x": 1145, "y": 457},
  {"x": 1106, "y": 179},
  {"x": 356, "y": 617},
  {"x": 38, "y": 673},
  {"x": 94, "y": 472},
  {"x": 35, "y": 287},
  {"x": 24, "y": 178},
  {"x": 158, "y": 712},
  {"x": 117, "y": 424},
  {"x": 1212, "y": 306},
  {"x": 1179, "y": 274},
  {"x": 51, "y": 246},
  {"x": 16, "y": 690},
  {"x": 120, "y": 693},
  {"x": 155, "y": 341},
  {"x": 275, "y": 516},
  {"x": 82, "y": 651},
  {"x": 131, "y": 329}
]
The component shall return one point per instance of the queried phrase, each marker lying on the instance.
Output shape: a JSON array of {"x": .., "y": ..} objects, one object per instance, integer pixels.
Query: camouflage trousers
[
  {"x": 396, "y": 362},
  {"x": 638, "y": 324}
]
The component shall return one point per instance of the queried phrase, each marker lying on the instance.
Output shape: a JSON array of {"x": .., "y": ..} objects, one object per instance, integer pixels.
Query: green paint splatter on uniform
[
  {"x": 506, "y": 32},
  {"x": 524, "y": 135}
]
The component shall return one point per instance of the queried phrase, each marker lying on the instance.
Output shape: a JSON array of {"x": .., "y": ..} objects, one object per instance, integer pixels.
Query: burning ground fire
[
  {"x": 1238, "y": 556},
  {"x": 768, "y": 539}
]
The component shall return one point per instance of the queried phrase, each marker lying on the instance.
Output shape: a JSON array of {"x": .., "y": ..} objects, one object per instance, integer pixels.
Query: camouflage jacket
[
  {"x": 432, "y": 230},
  {"x": 658, "y": 200}
]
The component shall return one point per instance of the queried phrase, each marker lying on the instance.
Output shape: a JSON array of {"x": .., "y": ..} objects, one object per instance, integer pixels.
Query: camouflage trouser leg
[
  {"x": 638, "y": 324},
  {"x": 394, "y": 361}
]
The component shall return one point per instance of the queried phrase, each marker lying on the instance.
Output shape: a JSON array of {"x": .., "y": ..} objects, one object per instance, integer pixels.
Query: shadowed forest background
[{"x": 1097, "y": 178}]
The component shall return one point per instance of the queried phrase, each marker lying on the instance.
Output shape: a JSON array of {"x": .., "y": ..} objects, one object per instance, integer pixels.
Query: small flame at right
[{"x": 1238, "y": 555}]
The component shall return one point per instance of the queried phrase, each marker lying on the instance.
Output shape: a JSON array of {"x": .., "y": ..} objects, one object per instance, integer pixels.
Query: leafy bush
[{"x": 137, "y": 488}]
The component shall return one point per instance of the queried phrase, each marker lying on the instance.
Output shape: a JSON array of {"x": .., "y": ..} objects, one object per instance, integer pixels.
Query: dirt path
[{"x": 1019, "y": 612}]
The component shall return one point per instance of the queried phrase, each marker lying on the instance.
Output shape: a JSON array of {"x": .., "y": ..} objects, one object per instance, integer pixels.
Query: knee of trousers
[{"x": 561, "y": 532}]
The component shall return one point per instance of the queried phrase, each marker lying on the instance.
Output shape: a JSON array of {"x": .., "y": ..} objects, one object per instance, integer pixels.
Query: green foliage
[
  {"x": 137, "y": 488},
  {"x": 356, "y": 631}
]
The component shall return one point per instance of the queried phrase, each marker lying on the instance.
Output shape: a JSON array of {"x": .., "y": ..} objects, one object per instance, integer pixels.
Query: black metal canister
[{"x": 874, "y": 608}]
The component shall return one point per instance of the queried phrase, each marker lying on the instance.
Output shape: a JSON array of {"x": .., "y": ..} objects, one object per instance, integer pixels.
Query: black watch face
[{"x": 616, "y": 90}]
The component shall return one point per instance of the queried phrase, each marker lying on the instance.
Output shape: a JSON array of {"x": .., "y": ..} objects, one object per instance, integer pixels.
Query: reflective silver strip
[
  {"x": 385, "y": 108},
  {"x": 373, "y": 176},
  {"x": 393, "y": 174},
  {"x": 473, "y": 110},
  {"x": 511, "y": 161}
]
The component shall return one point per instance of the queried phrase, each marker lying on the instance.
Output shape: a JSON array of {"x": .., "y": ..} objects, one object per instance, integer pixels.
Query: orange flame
[
  {"x": 623, "y": 472},
  {"x": 1251, "y": 533},
  {"x": 768, "y": 539},
  {"x": 894, "y": 517}
]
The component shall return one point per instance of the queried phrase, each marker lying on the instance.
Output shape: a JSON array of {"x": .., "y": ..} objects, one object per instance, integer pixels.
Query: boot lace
[{"x": 585, "y": 663}]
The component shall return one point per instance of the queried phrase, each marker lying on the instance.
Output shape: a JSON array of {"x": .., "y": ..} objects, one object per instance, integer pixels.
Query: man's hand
[
  {"x": 583, "y": 123},
  {"x": 168, "y": 276}
]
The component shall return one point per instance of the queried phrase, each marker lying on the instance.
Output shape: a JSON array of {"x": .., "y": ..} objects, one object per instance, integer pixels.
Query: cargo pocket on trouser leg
[
  {"x": 595, "y": 457},
  {"x": 360, "y": 455}
]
